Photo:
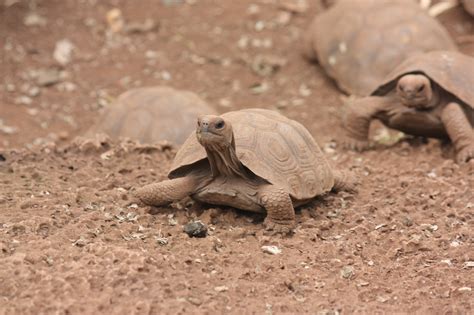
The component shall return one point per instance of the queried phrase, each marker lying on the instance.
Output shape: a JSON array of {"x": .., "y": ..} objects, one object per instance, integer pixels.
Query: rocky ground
[{"x": 73, "y": 241}]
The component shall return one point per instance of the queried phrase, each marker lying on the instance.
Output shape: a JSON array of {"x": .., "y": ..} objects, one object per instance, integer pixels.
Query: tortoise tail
[{"x": 345, "y": 181}]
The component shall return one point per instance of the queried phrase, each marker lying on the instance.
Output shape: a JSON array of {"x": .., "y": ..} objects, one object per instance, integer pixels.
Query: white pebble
[{"x": 273, "y": 250}]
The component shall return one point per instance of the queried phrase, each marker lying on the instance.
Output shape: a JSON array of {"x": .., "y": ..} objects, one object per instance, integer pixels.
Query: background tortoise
[
  {"x": 152, "y": 114},
  {"x": 358, "y": 42},
  {"x": 253, "y": 159},
  {"x": 429, "y": 95}
]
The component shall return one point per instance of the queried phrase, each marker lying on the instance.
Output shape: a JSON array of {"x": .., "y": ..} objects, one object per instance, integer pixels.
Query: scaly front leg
[
  {"x": 167, "y": 191},
  {"x": 357, "y": 117},
  {"x": 459, "y": 130},
  {"x": 280, "y": 212}
]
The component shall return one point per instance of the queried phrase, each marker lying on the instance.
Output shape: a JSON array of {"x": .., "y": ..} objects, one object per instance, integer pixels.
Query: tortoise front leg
[
  {"x": 357, "y": 117},
  {"x": 280, "y": 212},
  {"x": 167, "y": 191},
  {"x": 459, "y": 130}
]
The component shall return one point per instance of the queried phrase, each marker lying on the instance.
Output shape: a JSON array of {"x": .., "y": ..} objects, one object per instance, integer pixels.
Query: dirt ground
[{"x": 73, "y": 242}]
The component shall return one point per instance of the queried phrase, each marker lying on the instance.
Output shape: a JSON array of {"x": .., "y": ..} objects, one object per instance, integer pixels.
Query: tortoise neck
[
  {"x": 435, "y": 96},
  {"x": 224, "y": 161}
]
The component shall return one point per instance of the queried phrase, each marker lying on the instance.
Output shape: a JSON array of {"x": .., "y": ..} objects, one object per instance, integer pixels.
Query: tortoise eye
[
  {"x": 421, "y": 88},
  {"x": 220, "y": 125}
]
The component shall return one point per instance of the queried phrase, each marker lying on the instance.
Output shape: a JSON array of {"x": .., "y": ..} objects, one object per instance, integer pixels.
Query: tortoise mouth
[
  {"x": 206, "y": 137},
  {"x": 417, "y": 102}
]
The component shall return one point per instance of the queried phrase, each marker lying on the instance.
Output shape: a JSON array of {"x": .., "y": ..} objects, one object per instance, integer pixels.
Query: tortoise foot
[
  {"x": 465, "y": 154},
  {"x": 356, "y": 145},
  {"x": 279, "y": 227}
]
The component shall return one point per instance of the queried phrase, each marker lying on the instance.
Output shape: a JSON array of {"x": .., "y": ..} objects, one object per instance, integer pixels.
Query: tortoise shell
[
  {"x": 358, "y": 42},
  {"x": 275, "y": 148},
  {"x": 152, "y": 114},
  {"x": 451, "y": 70}
]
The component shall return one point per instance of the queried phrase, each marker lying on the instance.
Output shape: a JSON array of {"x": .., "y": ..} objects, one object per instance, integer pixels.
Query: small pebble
[
  {"x": 221, "y": 288},
  {"x": 63, "y": 51},
  {"x": 272, "y": 250},
  {"x": 47, "y": 77},
  {"x": 347, "y": 272},
  {"x": 195, "y": 229},
  {"x": 468, "y": 264}
]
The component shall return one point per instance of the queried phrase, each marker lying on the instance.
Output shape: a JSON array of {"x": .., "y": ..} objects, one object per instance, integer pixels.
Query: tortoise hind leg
[
  {"x": 280, "y": 212},
  {"x": 460, "y": 131},
  {"x": 167, "y": 191},
  {"x": 344, "y": 181}
]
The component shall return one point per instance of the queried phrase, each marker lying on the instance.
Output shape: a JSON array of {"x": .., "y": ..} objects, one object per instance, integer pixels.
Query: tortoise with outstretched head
[
  {"x": 358, "y": 42},
  {"x": 253, "y": 159},
  {"x": 430, "y": 95},
  {"x": 152, "y": 114}
]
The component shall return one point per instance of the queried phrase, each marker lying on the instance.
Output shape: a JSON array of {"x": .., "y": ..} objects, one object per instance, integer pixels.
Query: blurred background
[{"x": 64, "y": 61}]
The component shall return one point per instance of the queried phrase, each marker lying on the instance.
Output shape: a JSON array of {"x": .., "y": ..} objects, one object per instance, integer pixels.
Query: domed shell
[
  {"x": 152, "y": 114},
  {"x": 275, "y": 148},
  {"x": 451, "y": 70},
  {"x": 358, "y": 42}
]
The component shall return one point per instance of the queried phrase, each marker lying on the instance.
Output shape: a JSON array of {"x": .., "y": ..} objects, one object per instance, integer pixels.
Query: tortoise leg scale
[
  {"x": 168, "y": 191},
  {"x": 459, "y": 130},
  {"x": 357, "y": 117},
  {"x": 344, "y": 181},
  {"x": 280, "y": 212}
]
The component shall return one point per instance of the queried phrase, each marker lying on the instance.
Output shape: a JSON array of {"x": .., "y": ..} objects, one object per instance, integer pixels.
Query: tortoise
[
  {"x": 358, "y": 42},
  {"x": 253, "y": 159},
  {"x": 152, "y": 114},
  {"x": 429, "y": 95}
]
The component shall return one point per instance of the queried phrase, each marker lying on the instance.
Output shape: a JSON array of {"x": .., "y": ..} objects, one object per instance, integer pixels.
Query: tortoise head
[
  {"x": 214, "y": 132},
  {"x": 415, "y": 91}
]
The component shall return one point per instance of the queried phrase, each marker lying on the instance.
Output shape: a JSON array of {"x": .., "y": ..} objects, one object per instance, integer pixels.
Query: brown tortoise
[
  {"x": 430, "y": 95},
  {"x": 253, "y": 159},
  {"x": 152, "y": 114},
  {"x": 358, "y": 42}
]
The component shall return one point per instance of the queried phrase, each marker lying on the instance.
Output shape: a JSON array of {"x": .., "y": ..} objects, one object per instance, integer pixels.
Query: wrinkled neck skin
[
  {"x": 435, "y": 98},
  {"x": 224, "y": 161}
]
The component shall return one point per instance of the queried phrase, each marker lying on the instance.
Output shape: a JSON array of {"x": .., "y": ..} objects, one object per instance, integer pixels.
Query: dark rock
[{"x": 195, "y": 229}]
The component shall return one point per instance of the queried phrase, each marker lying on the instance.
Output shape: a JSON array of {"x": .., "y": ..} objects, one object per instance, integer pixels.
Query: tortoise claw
[
  {"x": 356, "y": 145},
  {"x": 281, "y": 227},
  {"x": 465, "y": 154}
]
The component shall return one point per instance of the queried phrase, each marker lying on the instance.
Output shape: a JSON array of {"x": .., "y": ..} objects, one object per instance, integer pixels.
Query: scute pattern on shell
[
  {"x": 358, "y": 42},
  {"x": 152, "y": 114},
  {"x": 451, "y": 70},
  {"x": 273, "y": 147}
]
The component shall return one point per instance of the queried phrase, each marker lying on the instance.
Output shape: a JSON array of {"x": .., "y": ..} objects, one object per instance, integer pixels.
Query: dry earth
[{"x": 73, "y": 241}]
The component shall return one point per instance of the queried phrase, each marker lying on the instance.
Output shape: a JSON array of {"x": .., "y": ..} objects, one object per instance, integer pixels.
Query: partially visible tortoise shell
[
  {"x": 152, "y": 114},
  {"x": 451, "y": 70},
  {"x": 275, "y": 148},
  {"x": 358, "y": 42}
]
